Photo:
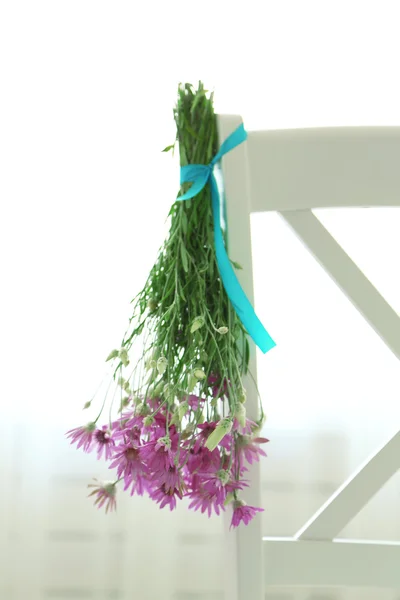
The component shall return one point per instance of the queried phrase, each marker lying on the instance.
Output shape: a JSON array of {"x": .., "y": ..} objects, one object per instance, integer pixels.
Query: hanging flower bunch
[{"x": 180, "y": 428}]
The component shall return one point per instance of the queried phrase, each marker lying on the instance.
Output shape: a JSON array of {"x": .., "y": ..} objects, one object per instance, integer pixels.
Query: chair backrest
[
  {"x": 293, "y": 172},
  {"x": 318, "y": 168}
]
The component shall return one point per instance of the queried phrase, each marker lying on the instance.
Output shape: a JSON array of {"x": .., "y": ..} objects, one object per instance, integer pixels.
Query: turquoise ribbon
[{"x": 200, "y": 175}]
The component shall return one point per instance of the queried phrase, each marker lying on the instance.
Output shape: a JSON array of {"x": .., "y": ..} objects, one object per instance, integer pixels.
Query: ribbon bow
[{"x": 200, "y": 175}]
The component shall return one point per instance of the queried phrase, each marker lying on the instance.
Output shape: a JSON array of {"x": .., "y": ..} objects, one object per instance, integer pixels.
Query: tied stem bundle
[{"x": 181, "y": 428}]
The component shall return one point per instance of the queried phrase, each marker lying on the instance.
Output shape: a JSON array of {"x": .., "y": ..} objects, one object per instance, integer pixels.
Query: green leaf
[
  {"x": 210, "y": 147},
  {"x": 236, "y": 332},
  {"x": 168, "y": 148},
  {"x": 199, "y": 96},
  {"x": 184, "y": 257},
  {"x": 211, "y": 268},
  {"x": 184, "y": 221},
  {"x": 191, "y": 131},
  {"x": 247, "y": 353},
  {"x": 236, "y": 265},
  {"x": 182, "y": 295},
  {"x": 197, "y": 323},
  {"x": 112, "y": 355}
]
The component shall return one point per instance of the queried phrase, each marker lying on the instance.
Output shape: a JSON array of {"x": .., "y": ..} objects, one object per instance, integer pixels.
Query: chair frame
[{"x": 293, "y": 172}]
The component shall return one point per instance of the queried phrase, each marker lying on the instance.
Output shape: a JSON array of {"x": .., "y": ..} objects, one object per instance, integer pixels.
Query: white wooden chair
[{"x": 293, "y": 172}]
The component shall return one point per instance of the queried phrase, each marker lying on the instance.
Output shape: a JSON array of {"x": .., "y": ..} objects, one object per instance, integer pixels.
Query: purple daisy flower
[
  {"x": 105, "y": 443},
  {"x": 247, "y": 429},
  {"x": 218, "y": 486},
  {"x": 165, "y": 497},
  {"x": 105, "y": 495},
  {"x": 243, "y": 512},
  {"x": 203, "y": 460},
  {"x": 219, "y": 386},
  {"x": 249, "y": 449},
  {"x": 159, "y": 454},
  {"x": 82, "y": 436},
  {"x": 170, "y": 479},
  {"x": 130, "y": 467},
  {"x": 201, "y": 500},
  {"x": 205, "y": 498}
]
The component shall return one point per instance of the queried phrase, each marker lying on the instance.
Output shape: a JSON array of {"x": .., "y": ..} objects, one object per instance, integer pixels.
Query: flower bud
[
  {"x": 259, "y": 426},
  {"x": 188, "y": 431},
  {"x": 162, "y": 365},
  {"x": 112, "y": 355},
  {"x": 152, "y": 305},
  {"x": 164, "y": 441},
  {"x": 158, "y": 389},
  {"x": 123, "y": 355},
  {"x": 199, "y": 374},
  {"x": 182, "y": 410},
  {"x": 197, "y": 323},
  {"x": 203, "y": 356},
  {"x": 242, "y": 396},
  {"x": 223, "y": 427},
  {"x": 148, "y": 421},
  {"x": 223, "y": 476},
  {"x": 87, "y": 405},
  {"x": 192, "y": 382},
  {"x": 240, "y": 414},
  {"x": 143, "y": 410},
  {"x": 222, "y": 330}
]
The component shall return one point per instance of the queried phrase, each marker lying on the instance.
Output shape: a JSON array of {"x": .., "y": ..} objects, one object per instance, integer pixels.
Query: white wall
[{"x": 87, "y": 90}]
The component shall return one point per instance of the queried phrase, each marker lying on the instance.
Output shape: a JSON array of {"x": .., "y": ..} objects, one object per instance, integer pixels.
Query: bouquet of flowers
[{"x": 180, "y": 428}]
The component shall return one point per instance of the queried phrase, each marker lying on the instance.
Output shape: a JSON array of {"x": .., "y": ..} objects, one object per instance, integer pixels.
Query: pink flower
[
  {"x": 83, "y": 436},
  {"x": 129, "y": 465},
  {"x": 205, "y": 430},
  {"x": 105, "y": 443},
  {"x": 200, "y": 499},
  {"x": 212, "y": 379},
  {"x": 170, "y": 479},
  {"x": 129, "y": 425},
  {"x": 219, "y": 485},
  {"x": 209, "y": 493},
  {"x": 243, "y": 512},
  {"x": 249, "y": 449},
  {"x": 130, "y": 429},
  {"x": 247, "y": 429},
  {"x": 219, "y": 386},
  {"x": 194, "y": 401},
  {"x": 159, "y": 453},
  {"x": 203, "y": 460},
  {"x": 138, "y": 486},
  {"x": 154, "y": 403},
  {"x": 165, "y": 497},
  {"x": 105, "y": 494}
]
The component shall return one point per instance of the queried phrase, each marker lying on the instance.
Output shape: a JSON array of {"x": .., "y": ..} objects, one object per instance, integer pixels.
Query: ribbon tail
[
  {"x": 237, "y": 137},
  {"x": 234, "y": 290}
]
